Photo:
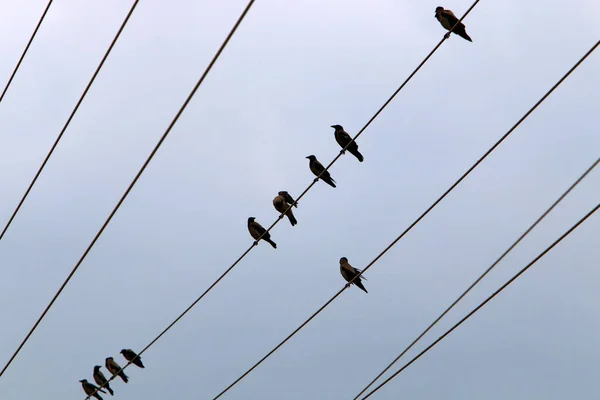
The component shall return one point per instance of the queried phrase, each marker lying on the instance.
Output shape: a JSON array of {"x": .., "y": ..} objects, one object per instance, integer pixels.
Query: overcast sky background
[{"x": 293, "y": 69}]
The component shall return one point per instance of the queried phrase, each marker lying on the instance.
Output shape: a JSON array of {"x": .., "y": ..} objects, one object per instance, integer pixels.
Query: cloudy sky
[{"x": 293, "y": 69}]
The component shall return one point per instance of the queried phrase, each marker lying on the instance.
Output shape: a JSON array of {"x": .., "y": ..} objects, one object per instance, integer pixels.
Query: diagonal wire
[
  {"x": 37, "y": 27},
  {"x": 255, "y": 243},
  {"x": 134, "y": 181},
  {"x": 542, "y": 254},
  {"x": 454, "y": 185},
  {"x": 482, "y": 275},
  {"x": 60, "y": 135}
]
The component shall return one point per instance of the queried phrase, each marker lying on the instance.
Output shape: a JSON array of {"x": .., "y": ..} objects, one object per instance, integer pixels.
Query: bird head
[
  {"x": 83, "y": 381},
  {"x": 337, "y": 127},
  {"x": 282, "y": 193},
  {"x": 311, "y": 157},
  {"x": 438, "y": 10},
  {"x": 109, "y": 358},
  {"x": 343, "y": 260},
  {"x": 251, "y": 219},
  {"x": 96, "y": 368},
  {"x": 122, "y": 351}
]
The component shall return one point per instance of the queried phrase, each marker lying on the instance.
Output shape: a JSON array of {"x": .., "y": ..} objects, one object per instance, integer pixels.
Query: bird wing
[
  {"x": 450, "y": 17},
  {"x": 289, "y": 198},
  {"x": 342, "y": 138}
]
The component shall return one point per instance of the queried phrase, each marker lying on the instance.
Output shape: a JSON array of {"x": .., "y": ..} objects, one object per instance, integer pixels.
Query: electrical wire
[
  {"x": 454, "y": 185},
  {"x": 113, "y": 212},
  {"x": 542, "y": 254},
  {"x": 60, "y": 135},
  {"x": 25, "y": 51},
  {"x": 482, "y": 275},
  {"x": 255, "y": 243}
]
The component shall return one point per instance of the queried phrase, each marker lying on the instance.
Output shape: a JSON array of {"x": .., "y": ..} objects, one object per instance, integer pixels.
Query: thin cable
[
  {"x": 113, "y": 212},
  {"x": 37, "y": 175},
  {"x": 25, "y": 51},
  {"x": 419, "y": 218},
  {"x": 482, "y": 275},
  {"x": 542, "y": 254},
  {"x": 302, "y": 195}
]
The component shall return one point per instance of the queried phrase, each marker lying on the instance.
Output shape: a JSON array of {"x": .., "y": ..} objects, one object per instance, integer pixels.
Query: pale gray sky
[{"x": 293, "y": 69}]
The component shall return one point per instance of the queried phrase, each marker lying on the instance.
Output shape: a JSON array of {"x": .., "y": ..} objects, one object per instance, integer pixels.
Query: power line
[
  {"x": 25, "y": 51},
  {"x": 60, "y": 135},
  {"x": 482, "y": 275},
  {"x": 485, "y": 301},
  {"x": 454, "y": 185},
  {"x": 255, "y": 243},
  {"x": 113, "y": 212}
]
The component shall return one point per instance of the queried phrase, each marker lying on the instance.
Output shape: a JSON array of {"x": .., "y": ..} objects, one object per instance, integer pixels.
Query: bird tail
[
  {"x": 360, "y": 285},
  {"x": 463, "y": 34},
  {"x": 357, "y": 154},
  {"x": 124, "y": 377},
  {"x": 96, "y": 395},
  {"x": 112, "y": 393},
  {"x": 138, "y": 363},
  {"x": 291, "y": 217},
  {"x": 272, "y": 243},
  {"x": 329, "y": 181}
]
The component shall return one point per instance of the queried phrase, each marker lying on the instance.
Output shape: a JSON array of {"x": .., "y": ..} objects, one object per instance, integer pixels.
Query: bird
[
  {"x": 101, "y": 379},
  {"x": 289, "y": 199},
  {"x": 114, "y": 369},
  {"x": 342, "y": 137},
  {"x": 131, "y": 356},
  {"x": 256, "y": 230},
  {"x": 448, "y": 20},
  {"x": 280, "y": 203},
  {"x": 349, "y": 272},
  {"x": 90, "y": 388},
  {"x": 316, "y": 167}
]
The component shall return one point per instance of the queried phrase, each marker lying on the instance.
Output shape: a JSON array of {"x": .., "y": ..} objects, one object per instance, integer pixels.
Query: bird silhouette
[
  {"x": 349, "y": 272},
  {"x": 448, "y": 20},
  {"x": 256, "y": 230},
  {"x": 343, "y": 139},
  {"x": 316, "y": 167}
]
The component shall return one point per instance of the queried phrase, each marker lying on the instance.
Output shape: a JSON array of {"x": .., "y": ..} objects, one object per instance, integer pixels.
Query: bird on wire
[
  {"x": 349, "y": 272},
  {"x": 448, "y": 20},
  {"x": 316, "y": 167},
  {"x": 131, "y": 356},
  {"x": 256, "y": 230},
  {"x": 90, "y": 388},
  {"x": 114, "y": 368},
  {"x": 342, "y": 137},
  {"x": 281, "y": 204},
  {"x": 101, "y": 380}
]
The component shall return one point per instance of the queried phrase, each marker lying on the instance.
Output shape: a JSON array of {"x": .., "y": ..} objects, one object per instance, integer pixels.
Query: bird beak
[{"x": 333, "y": 126}]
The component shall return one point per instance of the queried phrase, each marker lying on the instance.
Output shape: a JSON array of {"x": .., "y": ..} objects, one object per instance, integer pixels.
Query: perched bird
[
  {"x": 342, "y": 137},
  {"x": 349, "y": 272},
  {"x": 114, "y": 368},
  {"x": 448, "y": 19},
  {"x": 281, "y": 205},
  {"x": 289, "y": 199},
  {"x": 131, "y": 356},
  {"x": 101, "y": 379},
  {"x": 90, "y": 388},
  {"x": 316, "y": 167},
  {"x": 256, "y": 230}
]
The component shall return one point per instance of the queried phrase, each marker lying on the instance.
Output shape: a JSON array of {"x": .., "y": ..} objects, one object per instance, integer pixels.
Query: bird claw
[
  {"x": 347, "y": 285},
  {"x": 255, "y": 243},
  {"x": 280, "y": 216},
  {"x": 342, "y": 151},
  {"x": 316, "y": 180},
  {"x": 447, "y": 35}
]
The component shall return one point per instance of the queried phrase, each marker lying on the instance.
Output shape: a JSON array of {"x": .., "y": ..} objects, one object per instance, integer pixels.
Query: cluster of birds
[
  {"x": 283, "y": 203},
  {"x": 114, "y": 369}
]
